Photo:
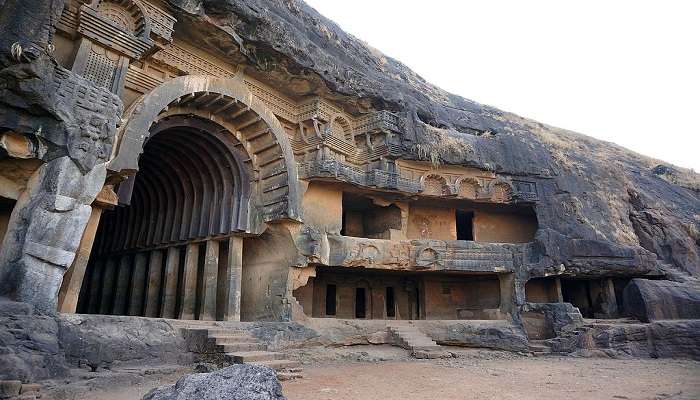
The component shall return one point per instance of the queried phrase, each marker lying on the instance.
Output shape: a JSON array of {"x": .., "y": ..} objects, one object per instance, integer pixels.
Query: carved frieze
[
  {"x": 421, "y": 255},
  {"x": 186, "y": 61}
]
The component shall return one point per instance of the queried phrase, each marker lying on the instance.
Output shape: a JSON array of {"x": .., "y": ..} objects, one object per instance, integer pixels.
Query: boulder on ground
[
  {"x": 652, "y": 300},
  {"x": 240, "y": 382}
]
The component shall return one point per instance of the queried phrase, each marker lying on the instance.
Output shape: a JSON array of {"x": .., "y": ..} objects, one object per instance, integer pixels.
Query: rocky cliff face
[{"x": 600, "y": 203}]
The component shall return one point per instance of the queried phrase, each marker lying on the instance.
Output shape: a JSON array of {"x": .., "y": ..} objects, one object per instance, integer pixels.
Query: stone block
[
  {"x": 651, "y": 300},
  {"x": 9, "y": 389}
]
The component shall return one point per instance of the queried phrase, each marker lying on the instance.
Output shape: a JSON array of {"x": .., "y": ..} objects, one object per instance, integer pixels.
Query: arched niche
[
  {"x": 229, "y": 103},
  {"x": 129, "y": 15}
]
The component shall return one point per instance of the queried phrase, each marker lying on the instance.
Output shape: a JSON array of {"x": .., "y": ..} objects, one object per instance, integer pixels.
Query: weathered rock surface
[
  {"x": 631, "y": 207},
  {"x": 660, "y": 339},
  {"x": 36, "y": 346},
  {"x": 29, "y": 345},
  {"x": 241, "y": 382},
  {"x": 502, "y": 335},
  {"x": 102, "y": 339},
  {"x": 651, "y": 300}
]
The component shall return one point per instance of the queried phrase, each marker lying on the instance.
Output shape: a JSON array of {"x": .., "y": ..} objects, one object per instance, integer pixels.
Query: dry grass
[{"x": 439, "y": 143}]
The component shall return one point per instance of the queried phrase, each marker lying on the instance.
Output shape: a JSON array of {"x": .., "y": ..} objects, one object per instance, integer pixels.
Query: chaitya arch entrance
[
  {"x": 215, "y": 165},
  {"x": 172, "y": 252}
]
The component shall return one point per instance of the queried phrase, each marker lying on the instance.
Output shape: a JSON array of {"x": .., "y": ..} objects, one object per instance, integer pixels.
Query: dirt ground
[
  {"x": 503, "y": 376},
  {"x": 386, "y": 373}
]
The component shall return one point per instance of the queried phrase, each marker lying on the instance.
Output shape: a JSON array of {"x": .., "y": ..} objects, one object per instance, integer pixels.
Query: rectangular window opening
[
  {"x": 360, "y": 303},
  {"x": 465, "y": 225},
  {"x": 390, "y": 302},
  {"x": 330, "y": 300}
]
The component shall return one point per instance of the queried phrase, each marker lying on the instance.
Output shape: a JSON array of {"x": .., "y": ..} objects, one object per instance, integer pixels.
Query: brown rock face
[{"x": 590, "y": 189}]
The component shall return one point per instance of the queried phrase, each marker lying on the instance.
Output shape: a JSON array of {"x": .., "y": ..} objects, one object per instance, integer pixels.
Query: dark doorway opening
[
  {"x": 578, "y": 293},
  {"x": 465, "y": 225},
  {"x": 6, "y": 207},
  {"x": 330, "y": 300},
  {"x": 390, "y": 302},
  {"x": 360, "y": 303}
]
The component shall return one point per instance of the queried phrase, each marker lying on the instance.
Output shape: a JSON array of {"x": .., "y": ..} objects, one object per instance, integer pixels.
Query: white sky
[{"x": 622, "y": 71}]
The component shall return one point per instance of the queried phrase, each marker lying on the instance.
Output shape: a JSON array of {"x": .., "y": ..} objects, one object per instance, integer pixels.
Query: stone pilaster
[
  {"x": 93, "y": 302},
  {"x": 172, "y": 263},
  {"x": 234, "y": 274},
  {"x": 122, "y": 291},
  {"x": 211, "y": 271},
  {"x": 155, "y": 270},
  {"x": 189, "y": 281},
  {"x": 138, "y": 283},
  {"x": 108, "y": 286}
]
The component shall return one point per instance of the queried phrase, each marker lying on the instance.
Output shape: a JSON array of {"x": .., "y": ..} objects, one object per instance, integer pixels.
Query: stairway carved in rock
[
  {"x": 237, "y": 346},
  {"x": 419, "y": 344}
]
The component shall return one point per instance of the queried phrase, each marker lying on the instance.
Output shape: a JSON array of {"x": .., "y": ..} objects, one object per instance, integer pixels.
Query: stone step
[
  {"x": 224, "y": 331},
  {"x": 221, "y": 340},
  {"x": 426, "y": 348},
  {"x": 242, "y": 346},
  {"x": 288, "y": 376},
  {"x": 431, "y": 354},
  {"x": 406, "y": 331},
  {"x": 252, "y": 356},
  {"x": 423, "y": 339},
  {"x": 278, "y": 365}
]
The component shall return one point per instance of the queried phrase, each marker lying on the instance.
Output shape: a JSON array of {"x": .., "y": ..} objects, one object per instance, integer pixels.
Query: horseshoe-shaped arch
[{"x": 229, "y": 103}]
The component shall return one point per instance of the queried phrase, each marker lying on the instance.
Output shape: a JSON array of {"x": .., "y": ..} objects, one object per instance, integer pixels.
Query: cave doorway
[
  {"x": 170, "y": 252},
  {"x": 465, "y": 225}
]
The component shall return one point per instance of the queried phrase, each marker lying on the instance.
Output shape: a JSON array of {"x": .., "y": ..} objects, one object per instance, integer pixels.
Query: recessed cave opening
[
  {"x": 465, "y": 225},
  {"x": 390, "y": 302},
  {"x": 363, "y": 218},
  {"x": 6, "y": 207},
  {"x": 166, "y": 254},
  {"x": 364, "y": 293},
  {"x": 330, "y": 299},
  {"x": 541, "y": 290},
  {"x": 360, "y": 303}
]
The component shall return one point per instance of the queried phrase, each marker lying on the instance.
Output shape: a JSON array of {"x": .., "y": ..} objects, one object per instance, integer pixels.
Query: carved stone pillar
[
  {"x": 122, "y": 288},
  {"x": 45, "y": 230},
  {"x": 93, "y": 302},
  {"x": 108, "y": 286},
  {"x": 138, "y": 283},
  {"x": 211, "y": 271},
  {"x": 72, "y": 124},
  {"x": 557, "y": 289},
  {"x": 172, "y": 263},
  {"x": 155, "y": 269},
  {"x": 189, "y": 282},
  {"x": 507, "y": 290},
  {"x": 609, "y": 304},
  {"x": 233, "y": 276}
]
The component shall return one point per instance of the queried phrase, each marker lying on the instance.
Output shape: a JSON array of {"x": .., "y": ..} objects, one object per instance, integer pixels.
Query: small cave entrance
[
  {"x": 543, "y": 290},
  {"x": 6, "y": 207},
  {"x": 330, "y": 299},
  {"x": 360, "y": 303},
  {"x": 465, "y": 225},
  {"x": 595, "y": 298},
  {"x": 366, "y": 219}
]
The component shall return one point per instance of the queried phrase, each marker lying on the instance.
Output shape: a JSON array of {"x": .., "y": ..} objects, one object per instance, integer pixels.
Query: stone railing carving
[
  {"x": 498, "y": 190},
  {"x": 422, "y": 255},
  {"x": 336, "y": 170}
]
